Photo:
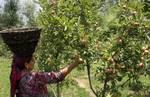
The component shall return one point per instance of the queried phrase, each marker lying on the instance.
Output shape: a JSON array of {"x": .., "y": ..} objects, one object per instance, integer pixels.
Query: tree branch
[
  {"x": 105, "y": 86},
  {"x": 89, "y": 78}
]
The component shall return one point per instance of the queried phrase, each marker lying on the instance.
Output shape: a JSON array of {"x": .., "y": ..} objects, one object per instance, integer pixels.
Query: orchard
[{"x": 112, "y": 36}]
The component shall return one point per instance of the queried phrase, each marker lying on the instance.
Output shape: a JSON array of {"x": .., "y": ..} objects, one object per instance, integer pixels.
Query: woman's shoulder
[
  {"x": 38, "y": 74},
  {"x": 29, "y": 75}
]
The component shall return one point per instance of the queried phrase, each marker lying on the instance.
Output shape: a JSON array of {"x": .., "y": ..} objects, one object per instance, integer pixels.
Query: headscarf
[{"x": 18, "y": 64}]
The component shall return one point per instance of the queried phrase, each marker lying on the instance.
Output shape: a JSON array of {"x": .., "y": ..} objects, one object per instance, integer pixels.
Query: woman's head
[
  {"x": 29, "y": 64},
  {"x": 23, "y": 62}
]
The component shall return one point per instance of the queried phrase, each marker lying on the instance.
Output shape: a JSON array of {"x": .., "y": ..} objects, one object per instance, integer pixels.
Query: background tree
[
  {"x": 11, "y": 18},
  {"x": 29, "y": 10},
  {"x": 1, "y": 26},
  {"x": 1, "y": 21}
]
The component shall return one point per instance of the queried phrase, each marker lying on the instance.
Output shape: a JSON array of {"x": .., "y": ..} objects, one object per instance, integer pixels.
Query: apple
[
  {"x": 141, "y": 65},
  {"x": 142, "y": 59},
  {"x": 145, "y": 50},
  {"x": 110, "y": 60},
  {"x": 84, "y": 41},
  {"x": 134, "y": 12},
  {"x": 119, "y": 40},
  {"x": 124, "y": 6},
  {"x": 53, "y": 12},
  {"x": 135, "y": 24},
  {"x": 109, "y": 71},
  {"x": 49, "y": 61}
]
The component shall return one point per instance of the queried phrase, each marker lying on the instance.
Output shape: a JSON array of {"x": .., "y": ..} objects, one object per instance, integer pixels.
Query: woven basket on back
[{"x": 21, "y": 41}]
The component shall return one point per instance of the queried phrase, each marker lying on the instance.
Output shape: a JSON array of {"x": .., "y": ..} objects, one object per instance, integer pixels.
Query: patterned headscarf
[{"x": 18, "y": 64}]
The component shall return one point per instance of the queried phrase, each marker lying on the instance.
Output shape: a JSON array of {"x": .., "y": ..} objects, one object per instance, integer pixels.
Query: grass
[{"x": 4, "y": 77}]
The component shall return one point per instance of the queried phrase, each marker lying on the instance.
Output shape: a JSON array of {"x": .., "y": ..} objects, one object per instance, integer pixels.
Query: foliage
[
  {"x": 64, "y": 32},
  {"x": 29, "y": 11},
  {"x": 114, "y": 37},
  {"x": 11, "y": 18},
  {"x": 125, "y": 50},
  {"x": 147, "y": 8}
]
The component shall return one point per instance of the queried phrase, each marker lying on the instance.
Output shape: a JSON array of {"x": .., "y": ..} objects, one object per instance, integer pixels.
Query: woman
[{"x": 25, "y": 83}]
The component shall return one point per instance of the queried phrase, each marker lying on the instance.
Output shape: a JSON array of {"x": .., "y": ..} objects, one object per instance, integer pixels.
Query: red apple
[
  {"x": 119, "y": 40},
  {"x": 134, "y": 12},
  {"x": 109, "y": 71},
  {"x": 135, "y": 24},
  {"x": 145, "y": 50},
  {"x": 141, "y": 65},
  {"x": 110, "y": 60}
]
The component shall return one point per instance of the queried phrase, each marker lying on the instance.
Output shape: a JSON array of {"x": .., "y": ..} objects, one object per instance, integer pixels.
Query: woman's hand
[{"x": 78, "y": 60}]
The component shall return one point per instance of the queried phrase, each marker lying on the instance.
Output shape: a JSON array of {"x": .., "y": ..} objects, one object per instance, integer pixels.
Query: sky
[
  {"x": 21, "y": 2},
  {"x": 1, "y": 2},
  {"x": 21, "y": 6}
]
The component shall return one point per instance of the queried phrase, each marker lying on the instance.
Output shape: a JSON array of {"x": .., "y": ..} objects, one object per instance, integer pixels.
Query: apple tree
[
  {"x": 114, "y": 37},
  {"x": 125, "y": 50}
]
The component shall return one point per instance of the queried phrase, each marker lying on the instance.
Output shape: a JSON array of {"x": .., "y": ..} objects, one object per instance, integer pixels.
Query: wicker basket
[{"x": 22, "y": 41}]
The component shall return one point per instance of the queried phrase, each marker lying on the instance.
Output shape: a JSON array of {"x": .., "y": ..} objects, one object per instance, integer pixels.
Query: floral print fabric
[{"x": 34, "y": 84}]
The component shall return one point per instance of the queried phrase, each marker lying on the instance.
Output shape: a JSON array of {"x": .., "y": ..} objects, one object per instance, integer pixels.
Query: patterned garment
[{"x": 33, "y": 84}]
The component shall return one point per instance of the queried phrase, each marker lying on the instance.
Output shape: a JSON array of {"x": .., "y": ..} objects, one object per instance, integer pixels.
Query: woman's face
[{"x": 30, "y": 65}]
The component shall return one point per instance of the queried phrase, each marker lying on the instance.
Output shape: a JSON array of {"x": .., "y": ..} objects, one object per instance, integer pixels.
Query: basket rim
[{"x": 20, "y": 30}]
